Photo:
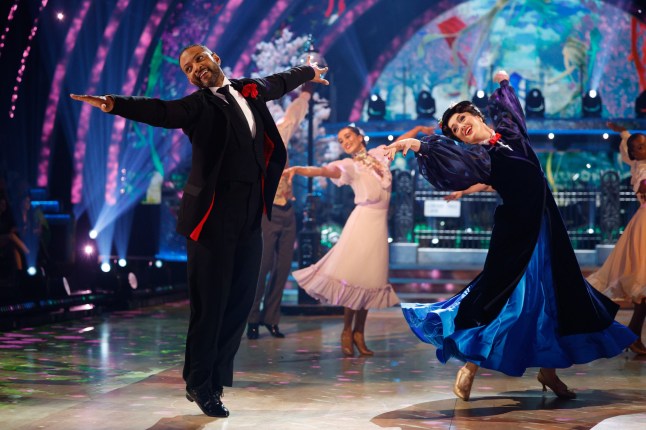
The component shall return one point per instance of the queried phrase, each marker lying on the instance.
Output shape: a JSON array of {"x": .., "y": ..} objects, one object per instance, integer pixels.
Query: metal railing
[{"x": 472, "y": 229}]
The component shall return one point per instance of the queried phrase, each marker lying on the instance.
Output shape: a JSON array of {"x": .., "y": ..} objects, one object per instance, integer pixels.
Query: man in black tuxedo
[{"x": 237, "y": 160}]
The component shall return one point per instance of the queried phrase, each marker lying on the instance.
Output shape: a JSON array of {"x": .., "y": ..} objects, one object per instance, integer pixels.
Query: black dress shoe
[
  {"x": 252, "y": 331},
  {"x": 273, "y": 330},
  {"x": 208, "y": 402}
]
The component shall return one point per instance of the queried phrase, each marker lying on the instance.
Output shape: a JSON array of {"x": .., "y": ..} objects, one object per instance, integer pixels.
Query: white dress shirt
[{"x": 244, "y": 104}]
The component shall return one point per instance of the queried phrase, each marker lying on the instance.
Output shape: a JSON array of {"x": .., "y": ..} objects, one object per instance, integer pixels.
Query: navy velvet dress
[{"x": 530, "y": 306}]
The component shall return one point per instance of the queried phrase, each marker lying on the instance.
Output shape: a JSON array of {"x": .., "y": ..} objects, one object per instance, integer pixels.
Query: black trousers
[{"x": 222, "y": 276}]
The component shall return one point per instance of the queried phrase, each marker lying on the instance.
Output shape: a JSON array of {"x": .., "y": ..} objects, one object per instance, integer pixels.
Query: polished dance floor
[{"x": 123, "y": 371}]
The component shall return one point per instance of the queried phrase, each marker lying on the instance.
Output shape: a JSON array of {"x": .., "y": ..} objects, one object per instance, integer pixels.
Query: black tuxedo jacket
[{"x": 210, "y": 127}]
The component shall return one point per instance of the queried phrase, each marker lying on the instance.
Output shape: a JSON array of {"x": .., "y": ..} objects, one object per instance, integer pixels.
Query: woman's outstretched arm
[{"x": 312, "y": 171}]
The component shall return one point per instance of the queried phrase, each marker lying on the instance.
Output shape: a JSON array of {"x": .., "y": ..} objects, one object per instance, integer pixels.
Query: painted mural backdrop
[{"x": 562, "y": 47}]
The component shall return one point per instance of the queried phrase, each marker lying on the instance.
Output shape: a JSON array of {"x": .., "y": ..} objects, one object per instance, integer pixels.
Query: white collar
[
  {"x": 225, "y": 82},
  {"x": 486, "y": 141}
]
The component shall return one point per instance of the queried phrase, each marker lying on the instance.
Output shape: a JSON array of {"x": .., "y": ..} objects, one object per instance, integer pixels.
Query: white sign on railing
[{"x": 441, "y": 208}]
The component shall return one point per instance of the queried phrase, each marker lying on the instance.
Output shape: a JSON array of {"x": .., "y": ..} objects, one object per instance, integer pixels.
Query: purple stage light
[
  {"x": 25, "y": 55},
  {"x": 86, "y": 109},
  {"x": 3, "y": 37},
  {"x": 263, "y": 28},
  {"x": 224, "y": 18},
  {"x": 131, "y": 78},
  {"x": 55, "y": 93}
]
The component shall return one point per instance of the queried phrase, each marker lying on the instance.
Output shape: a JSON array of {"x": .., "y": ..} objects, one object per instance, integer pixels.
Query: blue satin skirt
[{"x": 524, "y": 334}]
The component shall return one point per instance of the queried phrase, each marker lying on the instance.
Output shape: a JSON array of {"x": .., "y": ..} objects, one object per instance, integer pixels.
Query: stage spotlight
[
  {"x": 88, "y": 250},
  {"x": 57, "y": 287},
  {"x": 132, "y": 281},
  {"x": 480, "y": 101},
  {"x": 60, "y": 16},
  {"x": 534, "y": 104},
  {"x": 122, "y": 262},
  {"x": 93, "y": 234},
  {"x": 376, "y": 108},
  {"x": 31, "y": 271},
  {"x": 105, "y": 267},
  {"x": 605, "y": 135},
  {"x": 66, "y": 286},
  {"x": 158, "y": 264},
  {"x": 550, "y": 136},
  {"x": 425, "y": 105},
  {"x": 640, "y": 105},
  {"x": 591, "y": 105}
]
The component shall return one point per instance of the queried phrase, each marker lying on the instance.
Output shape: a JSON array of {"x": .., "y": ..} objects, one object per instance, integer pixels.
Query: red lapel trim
[
  {"x": 195, "y": 234},
  {"x": 268, "y": 149}
]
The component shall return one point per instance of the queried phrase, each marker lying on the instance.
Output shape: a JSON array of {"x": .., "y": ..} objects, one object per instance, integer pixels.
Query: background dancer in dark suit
[{"x": 278, "y": 234}]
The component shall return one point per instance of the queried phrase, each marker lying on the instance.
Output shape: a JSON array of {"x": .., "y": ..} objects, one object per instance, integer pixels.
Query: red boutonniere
[
  {"x": 250, "y": 90},
  {"x": 494, "y": 139}
]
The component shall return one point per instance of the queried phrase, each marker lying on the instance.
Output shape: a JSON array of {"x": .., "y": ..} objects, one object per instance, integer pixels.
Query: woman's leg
[
  {"x": 636, "y": 324},
  {"x": 357, "y": 334},
  {"x": 464, "y": 380},
  {"x": 637, "y": 321},
  {"x": 548, "y": 377},
  {"x": 346, "y": 335}
]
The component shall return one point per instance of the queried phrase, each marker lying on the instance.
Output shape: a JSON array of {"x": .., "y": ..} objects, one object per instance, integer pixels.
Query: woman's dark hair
[
  {"x": 356, "y": 130},
  {"x": 631, "y": 142},
  {"x": 463, "y": 106}
]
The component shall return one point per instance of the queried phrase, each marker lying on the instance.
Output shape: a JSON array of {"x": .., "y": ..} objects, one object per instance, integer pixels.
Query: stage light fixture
[
  {"x": 93, "y": 234},
  {"x": 105, "y": 267},
  {"x": 591, "y": 105},
  {"x": 31, "y": 271},
  {"x": 425, "y": 107},
  {"x": 122, "y": 262},
  {"x": 535, "y": 104},
  {"x": 480, "y": 101},
  {"x": 66, "y": 286},
  {"x": 88, "y": 250},
  {"x": 376, "y": 108},
  {"x": 132, "y": 280},
  {"x": 640, "y": 105},
  {"x": 550, "y": 136},
  {"x": 158, "y": 264},
  {"x": 605, "y": 135}
]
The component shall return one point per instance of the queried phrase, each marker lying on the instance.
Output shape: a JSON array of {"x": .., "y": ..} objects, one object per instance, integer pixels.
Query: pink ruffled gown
[
  {"x": 623, "y": 274},
  {"x": 354, "y": 273}
]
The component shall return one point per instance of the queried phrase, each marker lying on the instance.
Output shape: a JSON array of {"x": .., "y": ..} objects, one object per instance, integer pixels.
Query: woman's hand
[
  {"x": 455, "y": 195},
  {"x": 615, "y": 127},
  {"x": 402, "y": 146},
  {"x": 289, "y": 174},
  {"x": 500, "y": 76}
]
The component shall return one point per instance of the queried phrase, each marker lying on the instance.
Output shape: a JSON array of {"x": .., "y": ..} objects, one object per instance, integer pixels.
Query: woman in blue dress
[{"x": 530, "y": 306}]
